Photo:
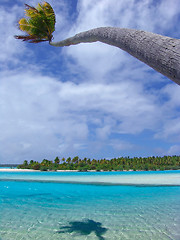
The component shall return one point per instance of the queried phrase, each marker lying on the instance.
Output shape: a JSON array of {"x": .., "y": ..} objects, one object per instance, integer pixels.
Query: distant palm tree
[
  {"x": 159, "y": 52},
  {"x": 39, "y": 24}
]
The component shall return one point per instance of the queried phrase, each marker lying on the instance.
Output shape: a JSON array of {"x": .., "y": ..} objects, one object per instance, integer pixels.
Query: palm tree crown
[{"x": 39, "y": 24}]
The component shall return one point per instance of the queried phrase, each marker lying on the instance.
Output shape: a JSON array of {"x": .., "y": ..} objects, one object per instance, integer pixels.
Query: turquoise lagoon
[{"x": 33, "y": 207}]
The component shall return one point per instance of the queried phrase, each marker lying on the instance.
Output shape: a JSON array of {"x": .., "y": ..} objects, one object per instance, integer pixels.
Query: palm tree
[
  {"x": 159, "y": 52},
  {"x": 56, "y": 160},
  {"x": 68, "y": 160},
  {"x": 39, "y": 24}
]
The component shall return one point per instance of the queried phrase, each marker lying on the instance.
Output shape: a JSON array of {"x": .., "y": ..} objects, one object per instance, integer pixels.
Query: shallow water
[
  {"x": 110, "y": 178},
  {"x": 42, "y": 210}
]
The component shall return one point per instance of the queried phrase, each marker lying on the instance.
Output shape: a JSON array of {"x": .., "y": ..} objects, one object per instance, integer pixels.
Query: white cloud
[
  {"x": 10, "y": 48},
  {"x": 170, "y": 129},
  {"x": 33, "y": 118},
  {"x": 172, "y": 93},
  {"x": 42, "y": 116},
  {"x": 120, "y": 145},
  {"x": 174, "y": 150}
]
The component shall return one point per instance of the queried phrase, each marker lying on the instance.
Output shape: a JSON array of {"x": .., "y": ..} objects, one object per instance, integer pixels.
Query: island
[{"x": 114, "y": 164}]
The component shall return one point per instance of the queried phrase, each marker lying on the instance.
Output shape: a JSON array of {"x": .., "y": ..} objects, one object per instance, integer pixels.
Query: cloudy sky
[{"x": 90, "y": 100}]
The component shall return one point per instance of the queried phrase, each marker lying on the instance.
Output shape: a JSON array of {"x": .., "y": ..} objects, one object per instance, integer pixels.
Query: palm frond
[
  {"x": 30, "y": 39},
  {"x": 26, "y": 25},
  {"x": 39, "y": 24},
  {"x": 30, "y": 11}
]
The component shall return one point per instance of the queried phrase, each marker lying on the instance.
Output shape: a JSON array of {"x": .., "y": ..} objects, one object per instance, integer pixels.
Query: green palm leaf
[{"x": 39, "y": 24}]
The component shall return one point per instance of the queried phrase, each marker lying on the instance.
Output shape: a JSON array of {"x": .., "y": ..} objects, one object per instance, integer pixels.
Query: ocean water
[{"x": 53, "y": 210}]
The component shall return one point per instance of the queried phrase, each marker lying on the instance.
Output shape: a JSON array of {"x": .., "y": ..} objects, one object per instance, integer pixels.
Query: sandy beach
[
  {"x": 152, "y": 178},
  {"x": 16, "y": 170},
  {"x": 31, "y": 170}
]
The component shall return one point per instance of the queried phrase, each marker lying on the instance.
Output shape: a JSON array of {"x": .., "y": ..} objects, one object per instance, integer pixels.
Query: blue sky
[{"x": 90, "y": 100}]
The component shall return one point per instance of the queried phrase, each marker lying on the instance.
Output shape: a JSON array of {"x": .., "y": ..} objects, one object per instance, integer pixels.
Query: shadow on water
[{"x": 85, "y": 228}]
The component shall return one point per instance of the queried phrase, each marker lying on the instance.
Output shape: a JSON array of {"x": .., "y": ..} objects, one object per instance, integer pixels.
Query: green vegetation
[
  {"x": 39, "y": 23},
  {"x": 116, "y": 164}
]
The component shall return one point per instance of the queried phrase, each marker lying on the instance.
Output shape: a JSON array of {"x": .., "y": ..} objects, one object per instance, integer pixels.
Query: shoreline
[{"x": 32, "y": 170}]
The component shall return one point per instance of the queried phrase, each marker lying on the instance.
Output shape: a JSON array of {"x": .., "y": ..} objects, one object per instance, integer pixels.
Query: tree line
[{"x": 116, "y": 164}]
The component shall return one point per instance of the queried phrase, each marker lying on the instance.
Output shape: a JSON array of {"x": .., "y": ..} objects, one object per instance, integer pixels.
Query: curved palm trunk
[{"x": 159, "y": 52}]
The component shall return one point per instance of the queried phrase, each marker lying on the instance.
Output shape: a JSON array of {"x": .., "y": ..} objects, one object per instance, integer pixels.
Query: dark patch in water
[{"x": 85, "y": 228}]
